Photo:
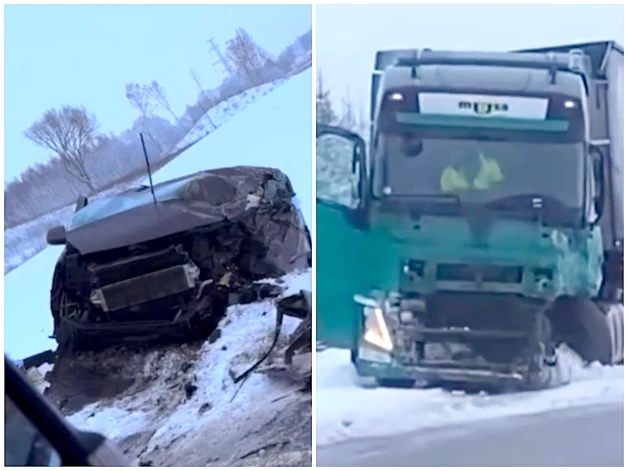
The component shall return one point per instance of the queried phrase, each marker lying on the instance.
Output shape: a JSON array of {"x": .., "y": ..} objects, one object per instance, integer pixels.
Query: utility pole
[{"x": 215, "y": 50}]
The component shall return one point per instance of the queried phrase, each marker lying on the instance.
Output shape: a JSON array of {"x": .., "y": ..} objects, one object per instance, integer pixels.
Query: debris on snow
[{"x": 182, "y": 393}]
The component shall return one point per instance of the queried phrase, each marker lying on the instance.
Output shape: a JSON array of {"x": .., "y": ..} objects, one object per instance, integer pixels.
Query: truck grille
[{"x": 479, "y": 273}]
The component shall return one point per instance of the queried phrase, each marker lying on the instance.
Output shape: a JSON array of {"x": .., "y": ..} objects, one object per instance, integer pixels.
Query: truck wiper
[
  {"x": 435, "y": 198},
  {"x": 535, "y": 206},
  {"x": 419, "y": 204},
  {"x": 527, "y": 202}
]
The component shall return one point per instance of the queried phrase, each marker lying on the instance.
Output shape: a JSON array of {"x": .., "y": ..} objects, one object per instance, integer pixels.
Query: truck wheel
[
  {"x": 395, "y": 383},
  {"x": 547, "y": 370},
  {"x": 582, "y": 325}
]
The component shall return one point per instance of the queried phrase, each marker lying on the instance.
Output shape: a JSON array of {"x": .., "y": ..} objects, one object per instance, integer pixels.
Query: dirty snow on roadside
[
  {"x": 203, "y": 404},
  {"x": 347, "y": 409}
]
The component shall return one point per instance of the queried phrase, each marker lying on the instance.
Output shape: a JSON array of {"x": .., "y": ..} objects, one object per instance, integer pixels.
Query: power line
[{"x": 220, "y": 57}]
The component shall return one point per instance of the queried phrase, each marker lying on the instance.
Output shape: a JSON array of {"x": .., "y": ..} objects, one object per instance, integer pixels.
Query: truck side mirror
[
  {"x": 56, "y": 235},
  {"x": 352, "y": 143},
  {"x": 341, "y": 159}
]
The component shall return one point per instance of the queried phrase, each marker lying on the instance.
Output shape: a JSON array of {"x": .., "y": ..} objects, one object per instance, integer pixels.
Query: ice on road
[{"x": 346, "y": 410}]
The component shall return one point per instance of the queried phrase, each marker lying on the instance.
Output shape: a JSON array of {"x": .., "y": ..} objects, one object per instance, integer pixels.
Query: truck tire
[{"x": 582, "y": 325}]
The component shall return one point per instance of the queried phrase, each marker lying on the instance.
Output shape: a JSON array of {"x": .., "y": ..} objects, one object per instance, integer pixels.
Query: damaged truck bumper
[
  {"x": 430, "y": 374},
  {"x": 394, "y": 343}
]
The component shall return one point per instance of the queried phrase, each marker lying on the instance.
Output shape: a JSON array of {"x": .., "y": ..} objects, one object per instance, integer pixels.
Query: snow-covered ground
[
  {"x": 23, "y": 242},
  {"x": 221, "y": 113},
  {"x": 161, "y": 417},
  {"x": 345, "y": 409},
  {"x": 276, "y": 131}
]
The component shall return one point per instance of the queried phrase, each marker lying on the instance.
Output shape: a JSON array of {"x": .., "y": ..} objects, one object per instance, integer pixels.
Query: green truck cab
[{"x": 483, "y": 227}]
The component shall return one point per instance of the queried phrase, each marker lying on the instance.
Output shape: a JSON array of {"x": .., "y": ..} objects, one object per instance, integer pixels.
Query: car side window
[
  {"x": 24, "y": 445},
  {"x": 335, "y": 180}
]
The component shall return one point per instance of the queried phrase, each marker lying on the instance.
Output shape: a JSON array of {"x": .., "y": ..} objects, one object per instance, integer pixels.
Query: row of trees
[
  {"x": 84, "y": 160},
  {"x": 345, "y": 115}
]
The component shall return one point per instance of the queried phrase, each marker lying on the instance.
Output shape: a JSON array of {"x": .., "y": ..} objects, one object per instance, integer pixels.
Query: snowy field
[
  {"x": 223, "y": 112},
  {"x": 345, "y": 409},
  {"x": 275, "y": 131},
  {"x": 26, "y": 240}
]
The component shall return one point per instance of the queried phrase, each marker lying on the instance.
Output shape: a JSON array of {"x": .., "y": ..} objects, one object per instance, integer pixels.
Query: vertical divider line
[{"x": 313, "y": 234}]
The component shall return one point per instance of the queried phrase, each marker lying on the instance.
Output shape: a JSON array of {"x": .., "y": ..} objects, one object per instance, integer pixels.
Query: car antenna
[{"x": 150, "y": 175}]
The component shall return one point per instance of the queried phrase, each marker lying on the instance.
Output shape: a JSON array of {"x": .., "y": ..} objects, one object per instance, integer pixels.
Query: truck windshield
[{"x": 482, "y": 171}]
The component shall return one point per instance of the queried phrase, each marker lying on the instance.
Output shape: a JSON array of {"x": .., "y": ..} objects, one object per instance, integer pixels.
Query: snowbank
[
  {"x": 220, "y": 114},
  {"x": 161, "y": 409},
  {"x": 345, "y": 409}
]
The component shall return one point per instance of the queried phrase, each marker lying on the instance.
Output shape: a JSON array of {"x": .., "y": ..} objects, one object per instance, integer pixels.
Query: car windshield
[{"x": 483, "y": 171}]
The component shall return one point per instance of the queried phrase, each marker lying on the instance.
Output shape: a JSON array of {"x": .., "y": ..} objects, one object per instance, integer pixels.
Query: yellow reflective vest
[{"x": 489, "y": 174}]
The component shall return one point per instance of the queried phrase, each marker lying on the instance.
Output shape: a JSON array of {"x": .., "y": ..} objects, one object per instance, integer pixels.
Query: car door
[{"x": 340, "y": 231}]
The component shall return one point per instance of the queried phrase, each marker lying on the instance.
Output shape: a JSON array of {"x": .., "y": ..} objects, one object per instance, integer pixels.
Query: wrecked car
[{"x": 159, "y": 262}]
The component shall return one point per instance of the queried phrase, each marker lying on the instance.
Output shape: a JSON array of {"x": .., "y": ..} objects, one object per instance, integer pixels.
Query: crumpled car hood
[{"x": 202, "y": 199}]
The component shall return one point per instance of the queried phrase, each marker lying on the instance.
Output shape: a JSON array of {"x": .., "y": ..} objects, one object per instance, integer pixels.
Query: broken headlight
[{"x": 375, "y": 331}]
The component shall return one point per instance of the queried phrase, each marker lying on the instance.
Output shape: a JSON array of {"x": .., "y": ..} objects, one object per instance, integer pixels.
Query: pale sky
[
  {"x": 85, "y": 54},
  {"x": 347, "y": 36}
]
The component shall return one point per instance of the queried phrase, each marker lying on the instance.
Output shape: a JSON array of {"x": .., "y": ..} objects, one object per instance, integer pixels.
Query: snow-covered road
[
  {"x": 348, "y": 411},
  {"x": 580, "y": 436}
]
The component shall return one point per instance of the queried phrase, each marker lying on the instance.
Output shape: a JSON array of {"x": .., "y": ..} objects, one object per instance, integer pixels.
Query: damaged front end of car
[{"x": 165, "y": 271}]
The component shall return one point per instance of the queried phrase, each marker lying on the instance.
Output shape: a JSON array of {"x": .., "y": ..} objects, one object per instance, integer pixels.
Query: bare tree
[
  {"x": 70, "y": 133},
  {"x": 324, "y": 109},
  {"x": 197, "y": 80},
  {"x": 247, "y": 57},
  {"x": 159, "y": 96},
  {"x": 363, "y": 123},
  {"x": 141, "y": 99},
  {"x": 347, "y": 118},
  {"x": 287, "y": 59},
  {"x": 305, "y": 40}
]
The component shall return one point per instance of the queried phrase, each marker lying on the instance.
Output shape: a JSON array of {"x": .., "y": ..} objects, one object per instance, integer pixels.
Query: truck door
[{"x": 340, "y": 173}]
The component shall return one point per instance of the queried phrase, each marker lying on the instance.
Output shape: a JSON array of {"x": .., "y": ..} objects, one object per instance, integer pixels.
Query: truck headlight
[{"x": 375, "y": 330}]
